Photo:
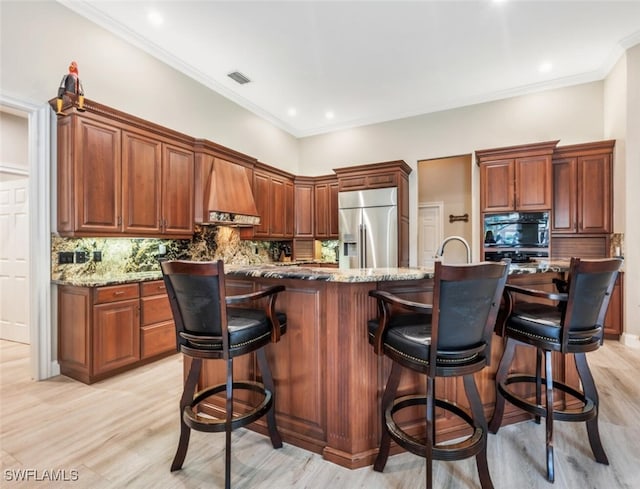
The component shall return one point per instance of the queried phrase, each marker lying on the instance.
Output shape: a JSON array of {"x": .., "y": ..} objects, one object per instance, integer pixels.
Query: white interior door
[
  {"x": 14, "y": 259},
  {"x": 430, "y": 232}
]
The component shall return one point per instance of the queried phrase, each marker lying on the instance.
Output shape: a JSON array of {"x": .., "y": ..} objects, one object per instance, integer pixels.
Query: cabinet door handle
[
  {"x": 161, "y": 287},
  {"x": 119, "y": 292}
]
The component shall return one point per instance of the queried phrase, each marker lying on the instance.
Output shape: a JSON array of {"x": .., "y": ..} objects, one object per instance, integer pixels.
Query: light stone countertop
[{"x": 304, "y": 272}]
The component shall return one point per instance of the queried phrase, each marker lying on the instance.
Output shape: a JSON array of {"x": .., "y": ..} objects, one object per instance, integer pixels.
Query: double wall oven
[{"x": 519, "y": 236}]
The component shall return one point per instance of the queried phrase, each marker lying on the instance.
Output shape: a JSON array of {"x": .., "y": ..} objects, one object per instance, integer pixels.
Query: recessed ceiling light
[
  {"x": 154, "y": 17},
  {"x": 292, "y": 112},
  {"x": 545, "y": 67},
  {"x": 329, "y": 114}
]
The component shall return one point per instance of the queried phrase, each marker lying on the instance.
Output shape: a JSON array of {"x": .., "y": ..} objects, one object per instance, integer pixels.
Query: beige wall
[
  {"x": 615, "y": 127},
  {"x": 632, "y": 199},
  {"x": 571, "y": 114}
]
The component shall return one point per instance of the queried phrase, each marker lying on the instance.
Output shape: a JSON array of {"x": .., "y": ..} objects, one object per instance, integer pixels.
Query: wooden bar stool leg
[
  {"x": 475, "y": 403},
  {"x": 387, "y": 399},
  {"x": 591, "y": 392},
  {"x": 549, "y": 410},
  {"x": 228, "y": 420},
  {"x": 185, "y": 401},
  {"x": 539, "y": 358},
  {"x": 430, "y": 441},
  {"x": 501, "y": 376},
  {"x": 267, "y": 380}
]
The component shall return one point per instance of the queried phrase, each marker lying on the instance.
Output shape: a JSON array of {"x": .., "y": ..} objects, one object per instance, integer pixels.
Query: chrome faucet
[{"x": 440, "y": 251}]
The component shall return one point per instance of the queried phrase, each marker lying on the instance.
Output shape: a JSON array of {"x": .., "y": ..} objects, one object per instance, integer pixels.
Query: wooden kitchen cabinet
[
  {"x": 98, "y": 330},
  {"x": 89, "y": 182},
  {"x": 177, "y": 191},
  {"x": 582, "y": 188},
  {"x": 116, "y": 328},
  {"x": 516, "y": 178},
  {"x": 157, "y": 330},
  {"x": 157, "y": 187},
  {"x": 118, "y": 175},
  {"x": 326, "y": 208},
  {"x": 105, "y": 330},
  {"x": 142, "y": 184},
  {"x": 273, "y": 192},
  {"x": 304, "y": 207}
]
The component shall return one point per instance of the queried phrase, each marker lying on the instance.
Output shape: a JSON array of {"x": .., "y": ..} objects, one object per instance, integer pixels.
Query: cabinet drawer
[
  {"x": 155, "y": 309},
  {"x": 156, "y": 339},
  {"x": 113, "y": 293},
  {"x": 152, "y": 288}
]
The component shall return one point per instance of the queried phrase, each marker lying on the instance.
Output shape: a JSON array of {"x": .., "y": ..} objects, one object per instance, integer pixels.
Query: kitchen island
[{"x": 328, "y": 380}]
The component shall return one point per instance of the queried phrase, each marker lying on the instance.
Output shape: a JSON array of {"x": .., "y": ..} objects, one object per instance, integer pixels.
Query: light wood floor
[{"x": 122, "y": 432}]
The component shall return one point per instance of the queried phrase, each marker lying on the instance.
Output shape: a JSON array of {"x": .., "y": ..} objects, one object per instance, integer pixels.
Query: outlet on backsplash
[{"x": 65, "y": 257}]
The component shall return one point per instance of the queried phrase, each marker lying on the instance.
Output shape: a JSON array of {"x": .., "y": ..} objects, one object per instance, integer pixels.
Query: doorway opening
[
  {"x": 37, "y": 200},
  {"x": 444, "y": 183}
]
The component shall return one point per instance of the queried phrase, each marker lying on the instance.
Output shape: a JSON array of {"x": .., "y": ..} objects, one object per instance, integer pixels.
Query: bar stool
[
  {"x": 575, "y": 326},
  {"x": 450, "y": 338},
  {"x": 207, "y": 329}
]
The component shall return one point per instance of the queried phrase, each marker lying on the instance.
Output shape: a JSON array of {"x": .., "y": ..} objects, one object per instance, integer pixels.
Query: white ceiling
[{"x": 373, "y": 61}]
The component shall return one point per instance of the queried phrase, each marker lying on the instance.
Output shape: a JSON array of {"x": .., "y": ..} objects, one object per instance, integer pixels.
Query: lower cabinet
[
  {"x": 157, "y": 333},
  {"x": 103, "y": 331}
]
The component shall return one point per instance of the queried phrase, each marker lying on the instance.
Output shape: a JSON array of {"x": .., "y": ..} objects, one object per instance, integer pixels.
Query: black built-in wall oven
[{"x": 519, "y": 236}]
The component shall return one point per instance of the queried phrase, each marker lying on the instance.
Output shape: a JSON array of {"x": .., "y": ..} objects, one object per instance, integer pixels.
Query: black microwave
[{"x": 516, "y": 230}]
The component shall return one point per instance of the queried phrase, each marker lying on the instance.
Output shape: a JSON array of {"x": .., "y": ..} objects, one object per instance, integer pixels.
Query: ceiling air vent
[{"x": 238, "y": 77}]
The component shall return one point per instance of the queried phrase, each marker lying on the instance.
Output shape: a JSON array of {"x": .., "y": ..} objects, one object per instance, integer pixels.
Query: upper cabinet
[
  {"x": 273, "y": 191},
  {"x": 118, "y": 175},
  {"x": 304, "y": 207},
  {"x": 89, "y": 176},
  {"x": 516, "y": 178},
  {"x": 326, "y": 207},
  {"x": 582, "y": 188},
  {"x": 157, "y": 186}
]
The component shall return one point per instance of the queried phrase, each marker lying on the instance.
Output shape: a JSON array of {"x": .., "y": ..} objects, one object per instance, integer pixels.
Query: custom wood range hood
[{"x": 223, "y": 192}]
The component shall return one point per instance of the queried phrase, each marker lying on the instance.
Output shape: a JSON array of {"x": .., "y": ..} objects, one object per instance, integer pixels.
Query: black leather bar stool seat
[
  {"x": 574, "y": 326},
  {"x": 450, "y": 338},
  {"x": 207, "y": 329}
]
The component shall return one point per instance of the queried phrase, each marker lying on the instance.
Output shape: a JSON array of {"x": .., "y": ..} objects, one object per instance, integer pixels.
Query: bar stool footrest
[
  {"x": 586, "y": 412},
  {"x": 212, "y": 425},
  {"x": 466, "y": 448}
]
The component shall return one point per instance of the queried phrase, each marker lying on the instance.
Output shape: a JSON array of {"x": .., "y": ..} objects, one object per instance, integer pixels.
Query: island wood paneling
[{"x": 329, "y": 382}]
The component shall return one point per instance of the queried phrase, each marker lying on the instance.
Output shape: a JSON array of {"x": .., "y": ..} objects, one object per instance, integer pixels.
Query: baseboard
[{"x": 632, "y": 340}]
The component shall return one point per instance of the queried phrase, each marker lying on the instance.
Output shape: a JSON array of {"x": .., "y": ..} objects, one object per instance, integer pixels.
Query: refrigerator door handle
[{"x": 364, "y": 247}]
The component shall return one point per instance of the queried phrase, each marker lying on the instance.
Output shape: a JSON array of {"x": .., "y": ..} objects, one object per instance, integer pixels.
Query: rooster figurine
[{"x": 70, "y": 84}]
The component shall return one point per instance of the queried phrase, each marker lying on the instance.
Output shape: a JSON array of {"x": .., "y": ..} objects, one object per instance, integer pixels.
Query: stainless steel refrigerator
[{"x": 368, "y": 228}]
